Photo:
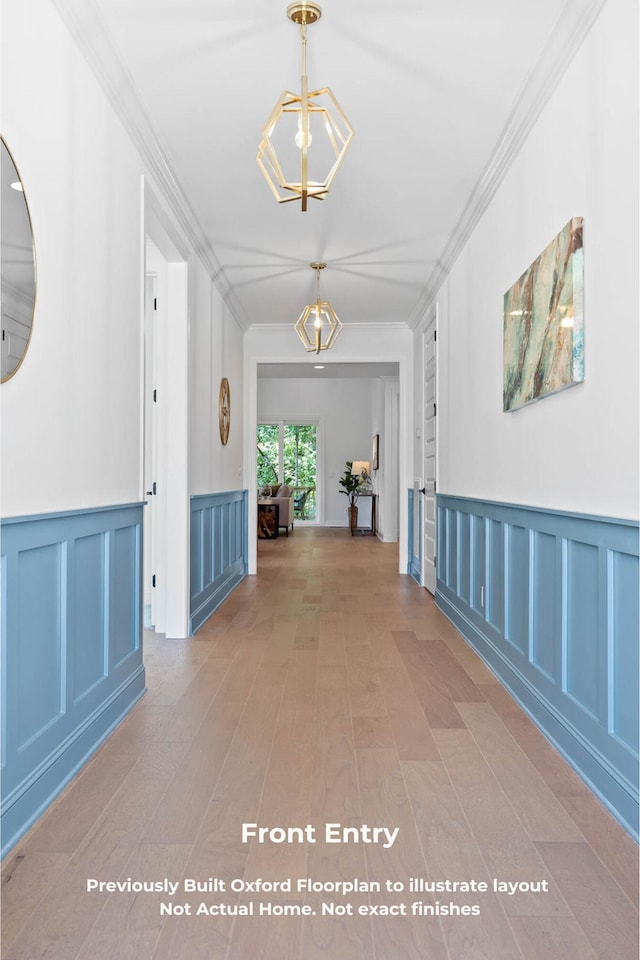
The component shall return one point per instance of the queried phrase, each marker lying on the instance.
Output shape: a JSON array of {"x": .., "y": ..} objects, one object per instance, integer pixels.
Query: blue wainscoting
[
  {"x": 219, "y": 544},
  {"x": 550, "y": 601},
  {"x": 414, "y": 542},
  {"x": 71, "y": 648}
]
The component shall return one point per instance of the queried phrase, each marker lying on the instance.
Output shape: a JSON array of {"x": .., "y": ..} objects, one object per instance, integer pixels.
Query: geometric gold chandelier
[
  {"x": 318, "y": 320},
  {"x": 307, "y": 135}
]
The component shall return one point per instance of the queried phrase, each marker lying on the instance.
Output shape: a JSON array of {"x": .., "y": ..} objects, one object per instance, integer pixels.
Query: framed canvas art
[{"x": 544, "y": 324}]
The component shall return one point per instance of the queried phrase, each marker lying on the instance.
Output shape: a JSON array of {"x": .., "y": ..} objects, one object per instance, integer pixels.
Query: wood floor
[{"x": 328, "y": 689}]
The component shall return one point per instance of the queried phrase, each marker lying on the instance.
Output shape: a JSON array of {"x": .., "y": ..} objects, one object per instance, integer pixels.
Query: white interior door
[
  {"x": 150, "y": 449},
  {"x": 430, "y": 435}
]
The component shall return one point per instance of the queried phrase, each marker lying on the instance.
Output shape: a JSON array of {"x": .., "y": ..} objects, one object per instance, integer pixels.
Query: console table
[{"x": 370, "y": 531}]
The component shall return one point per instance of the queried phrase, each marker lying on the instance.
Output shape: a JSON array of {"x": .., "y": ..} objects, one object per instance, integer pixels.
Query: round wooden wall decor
[{"x": 224, "y": 410}]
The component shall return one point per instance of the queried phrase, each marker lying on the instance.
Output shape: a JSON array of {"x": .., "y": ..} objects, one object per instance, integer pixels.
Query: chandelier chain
[{"x": 303, "y": 38}]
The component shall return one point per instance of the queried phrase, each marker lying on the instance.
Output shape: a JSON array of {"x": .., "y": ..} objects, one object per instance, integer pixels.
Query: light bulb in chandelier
[{"x": 301, "y": 135}]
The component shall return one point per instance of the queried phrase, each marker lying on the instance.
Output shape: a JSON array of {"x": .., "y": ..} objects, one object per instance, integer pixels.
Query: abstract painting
[{"x": 544, "y": 323}]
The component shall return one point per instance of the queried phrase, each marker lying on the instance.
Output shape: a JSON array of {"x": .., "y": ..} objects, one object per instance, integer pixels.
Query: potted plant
[{"x": 350, "y": 484}]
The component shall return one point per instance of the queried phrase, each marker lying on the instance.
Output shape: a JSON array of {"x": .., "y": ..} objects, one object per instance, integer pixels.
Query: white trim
[
  {"x": 386, "y": 327},
  {"x": 390, "y": 461},
  {"x": 173, "y": 521},
  {"x": 250, "y": 418},
  {"x": 176, "y": 464},
  {"x": 405, "y": 434},
  {"x": 430, "y": 324}
]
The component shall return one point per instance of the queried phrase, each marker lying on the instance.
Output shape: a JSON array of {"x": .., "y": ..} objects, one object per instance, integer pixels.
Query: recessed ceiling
[
  {"x": 302, "y": 371},
  {"x": 434, "y": 89}
]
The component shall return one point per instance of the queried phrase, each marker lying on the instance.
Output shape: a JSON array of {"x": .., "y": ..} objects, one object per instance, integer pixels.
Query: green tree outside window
[{"x": 299, "y": 453}]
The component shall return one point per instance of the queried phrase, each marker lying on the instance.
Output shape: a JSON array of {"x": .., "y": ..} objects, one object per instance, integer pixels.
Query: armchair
[{"x": 284, "y": 498}]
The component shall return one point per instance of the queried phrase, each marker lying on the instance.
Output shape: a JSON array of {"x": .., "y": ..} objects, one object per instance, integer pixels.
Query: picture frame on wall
[
  {"x": 543, "y": 350},
  {"x": 375, "y": 452}
]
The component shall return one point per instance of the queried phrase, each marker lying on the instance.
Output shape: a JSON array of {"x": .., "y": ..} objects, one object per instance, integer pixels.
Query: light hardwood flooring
[{"x": 326, "y": 689}]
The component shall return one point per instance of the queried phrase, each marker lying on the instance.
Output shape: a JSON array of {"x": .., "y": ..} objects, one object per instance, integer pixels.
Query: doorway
[{"x": 340, "y": 437}]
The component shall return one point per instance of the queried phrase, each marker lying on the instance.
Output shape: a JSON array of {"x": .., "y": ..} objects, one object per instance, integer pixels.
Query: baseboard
[
  {"x": 611, "y": 789},
  {"x": 222, "y": 589},
  {"x": 30, "y": 799}
]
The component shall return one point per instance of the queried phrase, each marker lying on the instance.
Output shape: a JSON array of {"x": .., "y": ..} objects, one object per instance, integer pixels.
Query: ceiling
[{"x": 439, "y": 93}]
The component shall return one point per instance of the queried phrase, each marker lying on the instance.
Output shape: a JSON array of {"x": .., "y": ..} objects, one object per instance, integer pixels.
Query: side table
[
  {"x": 372, "y": 530},
  {"x": 268, "y": 520}
]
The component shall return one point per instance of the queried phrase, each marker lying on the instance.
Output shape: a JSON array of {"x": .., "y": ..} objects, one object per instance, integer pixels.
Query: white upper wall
[
  {"x": 576, "y": 450},
  {"x": 72, "y": 415},
  {"x": 215, "y": 347}
]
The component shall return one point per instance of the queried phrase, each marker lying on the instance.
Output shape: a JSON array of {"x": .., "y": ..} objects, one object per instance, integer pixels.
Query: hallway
[{"x": 328, "y": 689}]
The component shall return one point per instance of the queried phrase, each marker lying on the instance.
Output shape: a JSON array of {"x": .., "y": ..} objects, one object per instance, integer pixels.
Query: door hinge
[
  {"x": 155, "y": 396},
  {"x": 153, "y": 580},
  {"x": 3, "y": 334},
  {"x": 435, "y": 334},
  {"x": 434, "y": 562},
  {"x": 434, "y": 486},
  {"x": 155, "y": 303},
  {"x": 434, "y": 410}
]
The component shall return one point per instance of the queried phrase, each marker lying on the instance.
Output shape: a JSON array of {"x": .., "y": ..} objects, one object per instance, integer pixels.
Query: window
[{"x": 287, "y": 453}]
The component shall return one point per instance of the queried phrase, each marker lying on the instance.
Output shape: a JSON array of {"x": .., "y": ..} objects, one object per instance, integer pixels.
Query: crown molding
[
  {"x": 398, "y": 326},
  {"x": 386, "y": 326},
  {"x": 574, "y": 23},
  {"x": 83, "y": 22}
]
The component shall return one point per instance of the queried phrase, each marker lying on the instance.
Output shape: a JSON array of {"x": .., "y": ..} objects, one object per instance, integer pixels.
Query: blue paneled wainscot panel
[
  {"x": 219, "y": 542},
  {"x": 414, "y": 545},
  {"x": 553, "y": 610},
  {"x": 71, "y": 648}
]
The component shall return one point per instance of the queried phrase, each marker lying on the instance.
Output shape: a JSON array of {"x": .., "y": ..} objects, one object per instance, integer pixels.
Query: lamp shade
[{"x": 361, "y": 468}]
